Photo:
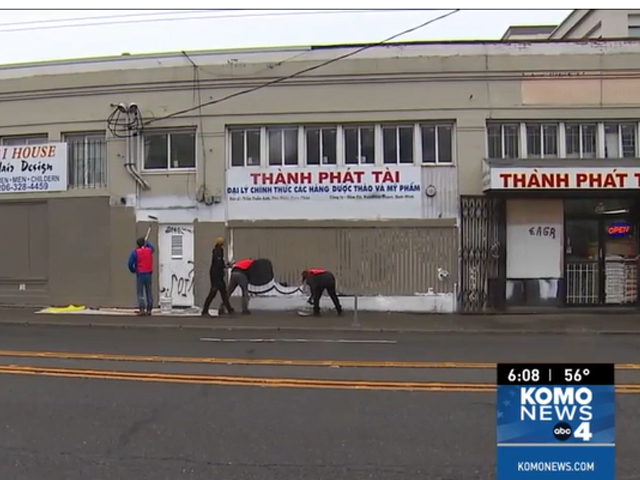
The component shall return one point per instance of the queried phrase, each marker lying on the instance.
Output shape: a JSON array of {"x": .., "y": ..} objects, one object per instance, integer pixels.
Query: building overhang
[{"x": 611, "y": 175}]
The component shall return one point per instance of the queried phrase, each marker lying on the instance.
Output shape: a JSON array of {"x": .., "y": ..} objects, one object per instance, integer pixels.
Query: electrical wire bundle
[{"x": 125, "y": 122}]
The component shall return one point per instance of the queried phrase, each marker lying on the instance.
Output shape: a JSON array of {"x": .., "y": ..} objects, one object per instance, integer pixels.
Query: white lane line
[{"x": 294, "y": 340}]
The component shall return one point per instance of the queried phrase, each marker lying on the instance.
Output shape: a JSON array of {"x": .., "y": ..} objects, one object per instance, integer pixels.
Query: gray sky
[{"x": 45, "y": 35}]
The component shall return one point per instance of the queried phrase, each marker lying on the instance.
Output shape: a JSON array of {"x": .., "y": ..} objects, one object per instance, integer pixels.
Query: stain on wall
[
  {"x": 581, "y": 91},
  {"x": 564, "y": 91}
]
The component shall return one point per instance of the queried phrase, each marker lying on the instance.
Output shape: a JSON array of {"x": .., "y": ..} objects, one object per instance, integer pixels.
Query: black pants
[
  {"x": 217, "y": 285},
  {"x": 318, "y": 284}
]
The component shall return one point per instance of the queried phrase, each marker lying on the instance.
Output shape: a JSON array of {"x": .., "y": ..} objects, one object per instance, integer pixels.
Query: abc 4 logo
[{"x": 562, "y": 431}]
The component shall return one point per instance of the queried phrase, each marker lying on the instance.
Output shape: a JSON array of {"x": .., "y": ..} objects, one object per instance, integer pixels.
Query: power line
[
  {"x": 304, "y": 70},
  {"x": 43, "y": 24},
  {"x": 101, "y": 17}
]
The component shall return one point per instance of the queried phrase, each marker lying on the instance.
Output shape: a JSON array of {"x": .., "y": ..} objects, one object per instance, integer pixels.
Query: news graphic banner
[
  {"x": 562, "y": 178},
  {"x": 33, "y": 168},
  {"x": 555, "y": 421},
  {"x": 358, "y": 192}
]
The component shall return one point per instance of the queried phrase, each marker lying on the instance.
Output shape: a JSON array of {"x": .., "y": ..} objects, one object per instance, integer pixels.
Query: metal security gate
[{"x": 482, "y": 254}]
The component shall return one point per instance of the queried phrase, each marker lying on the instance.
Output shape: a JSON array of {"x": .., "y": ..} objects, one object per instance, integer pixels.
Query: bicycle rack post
[{"x": 355, "y": 323}]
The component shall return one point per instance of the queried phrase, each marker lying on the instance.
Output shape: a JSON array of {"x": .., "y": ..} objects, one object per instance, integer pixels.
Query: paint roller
[{"x": 153, "y": 219}]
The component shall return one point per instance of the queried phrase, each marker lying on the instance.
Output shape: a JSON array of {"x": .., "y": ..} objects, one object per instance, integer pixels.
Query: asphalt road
[
  {"x": 150, "y": 428},
  {"x": 323, "y": 345}
]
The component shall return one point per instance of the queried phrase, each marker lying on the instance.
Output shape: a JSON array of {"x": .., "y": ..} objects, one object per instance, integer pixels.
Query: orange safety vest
[
  {"x": 144, "y": 260},
  {"x": 243, "y": 264}
]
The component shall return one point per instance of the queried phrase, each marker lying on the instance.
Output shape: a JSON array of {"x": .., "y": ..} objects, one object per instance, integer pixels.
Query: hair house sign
[
  {"x": 362, "y": 192},
  {"x": 564, "y": 178},
  {"x": 33, "y": 168}
]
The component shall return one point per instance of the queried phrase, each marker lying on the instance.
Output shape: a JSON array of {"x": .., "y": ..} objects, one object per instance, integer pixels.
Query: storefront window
[
  {"x": 601, "y": 252},
  {"x": 620, "y": 266},
  {"x": 587, "y": 207},
  {"x": 581, "y": 240},
  {"x": 619, "y": 239}
]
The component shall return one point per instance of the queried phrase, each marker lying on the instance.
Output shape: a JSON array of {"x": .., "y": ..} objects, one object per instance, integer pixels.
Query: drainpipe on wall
[{"x": 133, "y": 150}]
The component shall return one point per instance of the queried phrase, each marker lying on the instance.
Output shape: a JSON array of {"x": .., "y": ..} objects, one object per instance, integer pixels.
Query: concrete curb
[{"x": 475, "y": 331}]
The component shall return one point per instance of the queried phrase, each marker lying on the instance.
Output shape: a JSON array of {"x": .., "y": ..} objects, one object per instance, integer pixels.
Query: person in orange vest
[
  {"x": 141, "y": 263},
  {"x": 318, "y": 281},
  {"x": 240, "y": 278}
]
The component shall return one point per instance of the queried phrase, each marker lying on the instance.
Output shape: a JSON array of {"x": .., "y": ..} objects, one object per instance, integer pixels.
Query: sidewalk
[{"x": 560, "y": 323}]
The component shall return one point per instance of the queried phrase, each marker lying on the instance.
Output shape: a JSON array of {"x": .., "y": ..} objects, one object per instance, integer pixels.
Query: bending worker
[
  {"x": 141, "y": 263},
  {"x": 217, "y": 279},
  {"x": 318, "y": 281},
  {"x": 240, "y": 278}
]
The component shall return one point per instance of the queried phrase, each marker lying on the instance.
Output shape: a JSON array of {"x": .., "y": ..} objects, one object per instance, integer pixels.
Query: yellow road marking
[
  {"x": 260, "y": 361},
  {"x": 242, "y": 361},
  {"x": 245, "y": 381},
  {"x": 265, "y": 382}
]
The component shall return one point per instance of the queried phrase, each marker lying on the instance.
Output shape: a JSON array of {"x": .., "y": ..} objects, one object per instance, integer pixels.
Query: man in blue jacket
[{"x": 141, "y": 263}]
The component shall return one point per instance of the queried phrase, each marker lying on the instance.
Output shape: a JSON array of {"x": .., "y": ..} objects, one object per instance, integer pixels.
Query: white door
[{"x": 177, "y": 269}]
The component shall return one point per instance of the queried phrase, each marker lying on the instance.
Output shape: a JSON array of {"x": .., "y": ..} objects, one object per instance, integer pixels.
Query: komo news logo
[{"x": 560, "y": 405}]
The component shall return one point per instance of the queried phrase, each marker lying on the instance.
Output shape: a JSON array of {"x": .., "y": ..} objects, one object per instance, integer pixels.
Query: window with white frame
[
  {"x": 351, "y": 144},
  {"x": 581, "y": 140},
  {"x": 24, "y": 140},
  {"x": 503, "y": 140},
  {"x": 359, "y": 145},
  {"x": 246, "y": 150},
  {"x": 542, "y": 140},
  {"x": 437, "y": 143},
  {"x": 282, "y": 146},
  {"x": 322, "y": 145},
  {"x": 87, "y": 160},
  {"x": 169, "y": 150},
  {"x": 620, "y": 140},
  {"x": 561, "y": 139},
  {"x": 397, "y": 144}
]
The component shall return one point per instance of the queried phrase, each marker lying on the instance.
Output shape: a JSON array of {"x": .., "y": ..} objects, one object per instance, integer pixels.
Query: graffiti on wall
[
  {"x": 182, "y": 285},
  {"x": 275, "y": 289},
  {"x": 173, "y": 230},
  {"x": 262, "y": 281}
]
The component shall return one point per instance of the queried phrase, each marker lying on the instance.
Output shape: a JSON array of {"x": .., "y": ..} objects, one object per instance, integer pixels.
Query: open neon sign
[{"x": 619, "y": 229}]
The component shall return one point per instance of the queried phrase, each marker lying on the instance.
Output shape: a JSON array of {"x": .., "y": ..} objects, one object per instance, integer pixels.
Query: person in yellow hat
[{"x": 217, "y": 279}]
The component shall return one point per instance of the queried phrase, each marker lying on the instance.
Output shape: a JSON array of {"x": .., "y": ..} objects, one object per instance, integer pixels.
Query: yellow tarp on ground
[{"x": 67, "y": 309}]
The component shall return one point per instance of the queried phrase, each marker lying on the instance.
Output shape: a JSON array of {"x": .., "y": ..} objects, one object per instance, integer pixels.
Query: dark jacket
[
  {"x": 218, "y": 264},
  {"x": 323, "y": 279}
]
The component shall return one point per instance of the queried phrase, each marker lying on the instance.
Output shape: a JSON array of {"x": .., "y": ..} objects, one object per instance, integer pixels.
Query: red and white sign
[
  {"x": 556, "y": 178},
  {"x": 314, "y": 193},
  {"x": 33, "y": 168}
]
